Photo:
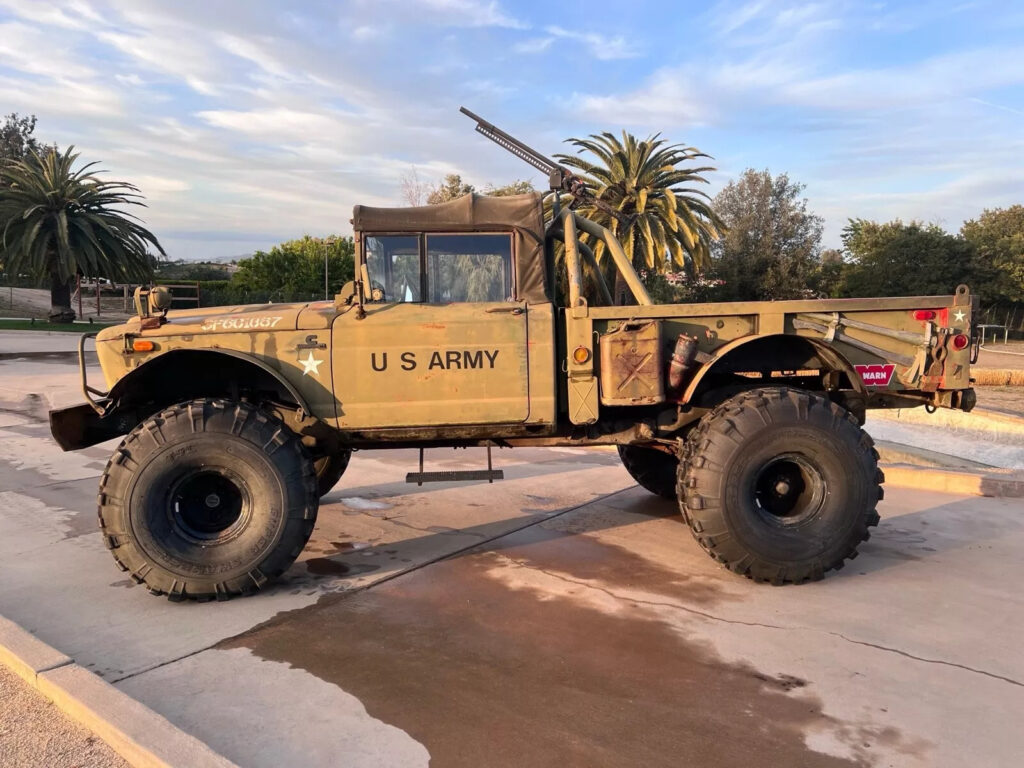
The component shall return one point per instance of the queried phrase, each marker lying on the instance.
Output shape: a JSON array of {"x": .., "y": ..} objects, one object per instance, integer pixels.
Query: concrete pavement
[
  {"x": 561, "y": 617},
  {"x": 35, "y": 342}
]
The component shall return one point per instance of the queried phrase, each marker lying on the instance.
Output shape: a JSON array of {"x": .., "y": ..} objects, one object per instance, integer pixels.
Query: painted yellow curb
[{"x": 953, "y": 481}]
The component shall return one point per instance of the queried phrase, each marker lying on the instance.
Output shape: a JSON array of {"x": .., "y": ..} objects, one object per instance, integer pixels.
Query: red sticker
[{"x": 876, "y": 375}]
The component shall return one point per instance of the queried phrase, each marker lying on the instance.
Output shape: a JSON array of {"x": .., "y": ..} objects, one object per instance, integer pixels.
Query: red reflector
[
  {"x": 960, "y": 341},
  {"x": 924, "y": 314}
]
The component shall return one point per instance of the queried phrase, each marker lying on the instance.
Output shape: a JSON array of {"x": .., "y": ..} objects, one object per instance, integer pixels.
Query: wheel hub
[
  {"x": 789, "y": 489},
  {"x": 207, "y": 505}
]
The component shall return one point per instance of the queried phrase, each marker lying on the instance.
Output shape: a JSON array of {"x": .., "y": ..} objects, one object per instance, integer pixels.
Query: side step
[{"x": 455, "y": 475}]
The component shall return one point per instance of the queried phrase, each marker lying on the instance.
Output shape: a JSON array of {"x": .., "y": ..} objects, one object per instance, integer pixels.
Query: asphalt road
[{"x": 560, "y": 617}]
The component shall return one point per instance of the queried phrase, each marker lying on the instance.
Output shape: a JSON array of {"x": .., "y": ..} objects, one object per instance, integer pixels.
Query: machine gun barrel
[
  {"x": 556, "y": 173},
  {"x": 560, "y": 178}
]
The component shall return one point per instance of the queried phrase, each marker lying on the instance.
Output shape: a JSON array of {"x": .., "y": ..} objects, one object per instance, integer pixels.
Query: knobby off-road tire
[
  {"x": 780, "y": 485},
  {"x": 329, "y": 470},
  {"x": 652, "y": 469},
  {"x": 208, "y": 499}
]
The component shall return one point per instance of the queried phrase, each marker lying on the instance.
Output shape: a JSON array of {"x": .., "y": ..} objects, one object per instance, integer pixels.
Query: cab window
[
  {"x": 393, "y": 263},
  {"x": 469, "y": 268}
]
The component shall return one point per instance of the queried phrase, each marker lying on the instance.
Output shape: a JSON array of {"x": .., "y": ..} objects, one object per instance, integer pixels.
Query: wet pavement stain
[
  {"x": 326, "y": 566},
  {"x": 549, "y": 547},
  {"x": 485, "y": 675}
]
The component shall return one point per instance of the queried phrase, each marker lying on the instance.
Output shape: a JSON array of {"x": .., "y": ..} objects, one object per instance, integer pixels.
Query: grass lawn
[{"x": 43, "y": 325}]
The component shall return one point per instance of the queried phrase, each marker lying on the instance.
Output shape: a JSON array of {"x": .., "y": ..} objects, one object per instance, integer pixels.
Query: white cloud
[
  {"x": 178, "y": 55},
  {"x": 277, "y": 124},
  {"x": 601, "y": 47},
  {"x": 463, "y": 13},
  {"x": 534, "y": 45},
  {"x": 668, "y": 99},
  {"x": 31, "y": 50},
  {"x": 158, "y": 186},
  {"x": 939, "y": 78},
  {"x": 61, "y": 97},
  {"x": 75, "y": 15},
  {"x": 365, "y": 32}
]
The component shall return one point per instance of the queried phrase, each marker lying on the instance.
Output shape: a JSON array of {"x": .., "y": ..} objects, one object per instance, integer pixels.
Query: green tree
[
  {"x": 58, "y": 222},
  {"x": 451, "y": 188},
  {"x": 827, "y": 280},
  {"x": 517, "y": 187},
  {"x": 295, "y": 268},
  {"x": 997, "y": 237},
  {"x": 648, "y": 181},
  {"x": 16, "y": 139},
  {"x": 191, "y": 270},
  {"x": 454, "y": 187},
  {"x": 897, "y": 259},
  {"x": 773, "y": 244}
]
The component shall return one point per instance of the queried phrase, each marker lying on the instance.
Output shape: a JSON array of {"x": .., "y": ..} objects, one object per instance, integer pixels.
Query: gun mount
[{"x": 560, "y": 178}]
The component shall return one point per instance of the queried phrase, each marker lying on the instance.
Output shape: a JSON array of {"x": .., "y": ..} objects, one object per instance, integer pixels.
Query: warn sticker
[{"x": 876, "y": 375}]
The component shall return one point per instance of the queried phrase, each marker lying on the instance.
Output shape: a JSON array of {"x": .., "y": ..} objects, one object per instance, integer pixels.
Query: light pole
[{"x": 328, "y": 242}]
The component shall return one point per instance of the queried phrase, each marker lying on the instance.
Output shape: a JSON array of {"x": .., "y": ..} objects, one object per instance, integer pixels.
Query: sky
[{"x": 251, "y": 122}]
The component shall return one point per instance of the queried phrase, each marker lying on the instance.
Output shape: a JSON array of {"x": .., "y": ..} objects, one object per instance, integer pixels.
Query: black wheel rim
[
  {"x": 209, "y": 506},
  {"x": 789, "y": 490}
]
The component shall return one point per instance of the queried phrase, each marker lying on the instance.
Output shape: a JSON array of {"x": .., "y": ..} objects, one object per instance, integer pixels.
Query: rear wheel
[
  {"x": 208, "y": 499},
  {"x": 780, "y": 485},
  {"x": 329, "y": 470},
  {"x": 653, "y": 469}
]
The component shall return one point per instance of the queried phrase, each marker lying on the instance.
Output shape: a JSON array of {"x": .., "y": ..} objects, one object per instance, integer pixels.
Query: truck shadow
[
  {"x": 931, "y": 533},
  {"x": 332, "y": 563},
  {"x": 404, "y": 461}
]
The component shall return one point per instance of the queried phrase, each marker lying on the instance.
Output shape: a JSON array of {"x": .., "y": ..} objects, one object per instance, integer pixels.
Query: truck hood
[{"x": 246, "y": 318}]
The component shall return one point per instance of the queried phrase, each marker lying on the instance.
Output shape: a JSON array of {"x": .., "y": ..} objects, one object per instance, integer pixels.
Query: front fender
[
  {"x": 173, "y": 377},
  {"x": 183, "y": 359}
]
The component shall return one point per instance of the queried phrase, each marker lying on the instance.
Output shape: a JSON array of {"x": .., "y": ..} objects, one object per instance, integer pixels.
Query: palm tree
[
  {"x": 58, "y": 222},
  {"x": 669, "y": 222}
]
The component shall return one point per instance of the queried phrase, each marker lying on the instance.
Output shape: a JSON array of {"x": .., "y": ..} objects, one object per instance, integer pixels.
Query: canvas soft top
[{"x": 520, "y": 214}]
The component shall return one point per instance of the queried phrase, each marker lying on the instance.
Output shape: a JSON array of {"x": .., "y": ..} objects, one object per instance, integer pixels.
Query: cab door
[{"x": 442, "y": 344}]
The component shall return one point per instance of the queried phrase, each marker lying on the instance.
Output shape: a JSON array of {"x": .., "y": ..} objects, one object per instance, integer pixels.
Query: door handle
[{"x": 510, "y": 310}]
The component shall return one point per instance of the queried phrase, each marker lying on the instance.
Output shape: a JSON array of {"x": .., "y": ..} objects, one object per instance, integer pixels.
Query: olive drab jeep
[{"x": 462, "y": 328}]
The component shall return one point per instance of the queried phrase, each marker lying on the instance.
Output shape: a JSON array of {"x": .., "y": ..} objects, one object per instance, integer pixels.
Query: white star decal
[
  {"x": 311, "y": 365},
  {"x": 959, "y": 315}
]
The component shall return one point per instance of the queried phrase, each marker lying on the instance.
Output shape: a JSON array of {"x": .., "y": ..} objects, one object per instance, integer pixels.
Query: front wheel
[
  {"x": 208, "y": 499},
  {"x": 653, "y": 470},
  {"x": 780, "y": 485}
]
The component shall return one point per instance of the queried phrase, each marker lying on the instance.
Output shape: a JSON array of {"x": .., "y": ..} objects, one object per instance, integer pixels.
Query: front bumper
[{"x": 81, "y": 426}]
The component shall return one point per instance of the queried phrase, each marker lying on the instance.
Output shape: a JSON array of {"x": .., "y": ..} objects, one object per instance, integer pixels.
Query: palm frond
[{"x": 58, "y": 220}]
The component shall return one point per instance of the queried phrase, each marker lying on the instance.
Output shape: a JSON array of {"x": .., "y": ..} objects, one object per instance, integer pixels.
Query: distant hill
[{"x": 210, "y": 269}]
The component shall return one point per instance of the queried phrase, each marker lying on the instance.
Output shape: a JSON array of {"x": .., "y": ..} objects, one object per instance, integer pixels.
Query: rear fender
[{"x": 780, "y": 352}]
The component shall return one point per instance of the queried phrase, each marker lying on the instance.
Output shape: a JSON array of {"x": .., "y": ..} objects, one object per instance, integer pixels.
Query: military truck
[{"x": 455, "y": 333}]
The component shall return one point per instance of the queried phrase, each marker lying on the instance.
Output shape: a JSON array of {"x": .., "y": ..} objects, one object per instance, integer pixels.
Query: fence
[
  {"x": 185, "y": 295},
  {"x": 1010, "y": 315}
]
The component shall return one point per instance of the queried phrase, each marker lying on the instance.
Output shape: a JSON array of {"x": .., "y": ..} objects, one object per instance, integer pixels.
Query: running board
[{"x": 455, "y": 475}]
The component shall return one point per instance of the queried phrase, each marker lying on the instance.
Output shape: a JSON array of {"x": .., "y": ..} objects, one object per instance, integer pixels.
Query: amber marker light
[
  {"x": 143, "y": 345},
  {"x": 580, "y": 355}
]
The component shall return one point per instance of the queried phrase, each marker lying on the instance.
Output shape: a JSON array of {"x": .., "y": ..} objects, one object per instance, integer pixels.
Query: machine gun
[{"x": 560, "y": 178}]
